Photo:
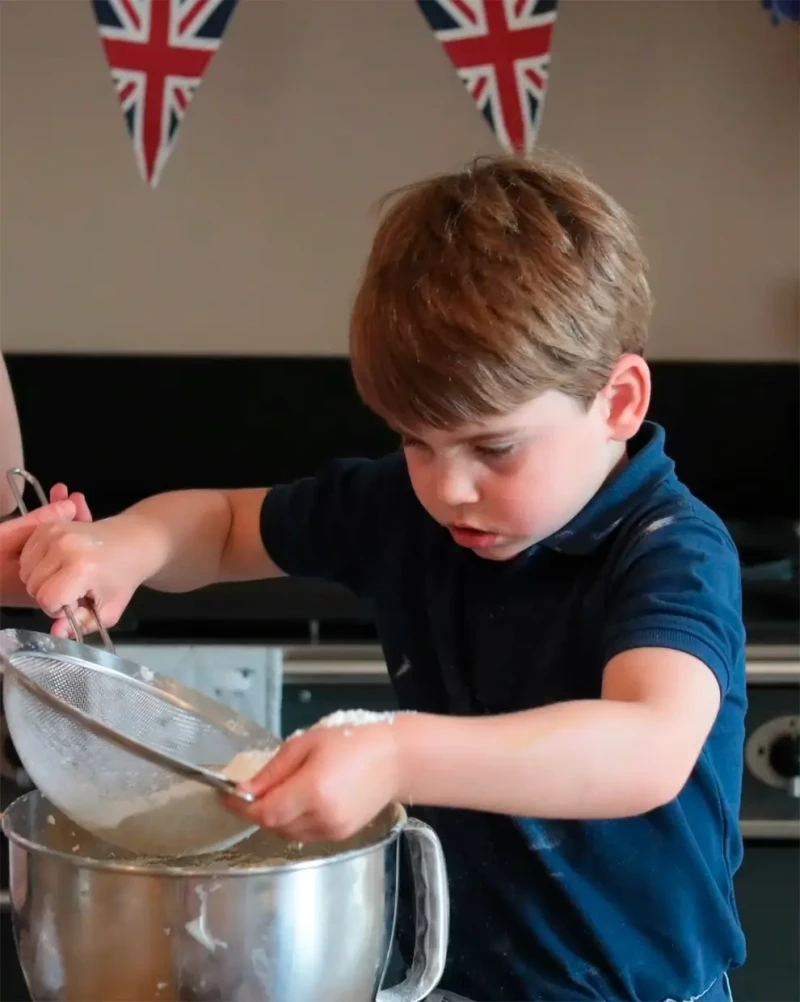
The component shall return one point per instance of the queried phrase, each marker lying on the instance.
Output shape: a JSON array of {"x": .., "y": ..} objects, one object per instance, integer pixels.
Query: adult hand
[{"x": 15, "y": 533}]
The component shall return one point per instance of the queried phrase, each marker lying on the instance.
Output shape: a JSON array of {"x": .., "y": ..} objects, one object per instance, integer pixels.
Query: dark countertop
[{"x": 288, "y": 610}]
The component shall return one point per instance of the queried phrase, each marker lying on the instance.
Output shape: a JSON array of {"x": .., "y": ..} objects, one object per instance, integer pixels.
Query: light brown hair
[{"x": 486, "y": 287}]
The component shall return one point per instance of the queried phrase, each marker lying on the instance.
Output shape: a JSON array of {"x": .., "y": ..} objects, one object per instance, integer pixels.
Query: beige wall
[{"x": 686, "y": 111}]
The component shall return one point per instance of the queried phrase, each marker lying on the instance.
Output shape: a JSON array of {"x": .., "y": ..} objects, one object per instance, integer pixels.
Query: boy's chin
[{"x": 505, "y": 549}]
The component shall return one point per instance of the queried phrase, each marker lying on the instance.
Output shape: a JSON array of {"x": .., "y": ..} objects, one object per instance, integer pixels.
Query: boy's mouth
[{"x": 473, "y": 539}]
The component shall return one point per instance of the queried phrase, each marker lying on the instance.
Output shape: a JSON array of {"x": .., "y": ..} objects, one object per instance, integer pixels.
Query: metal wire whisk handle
[{"x": 88, "y": 603}]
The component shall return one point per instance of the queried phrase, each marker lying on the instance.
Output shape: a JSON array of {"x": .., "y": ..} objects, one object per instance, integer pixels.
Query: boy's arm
[
  {"x": 194, "y": 538},
  {"x": 625, "y": 754},
  {"x": 174, "y": 542},
  {"x": 673, "y": 645},
  {"x": 326, "y": 526},
  {"x": 672, "y": 642},
  {"x": 322, "y": 526}
]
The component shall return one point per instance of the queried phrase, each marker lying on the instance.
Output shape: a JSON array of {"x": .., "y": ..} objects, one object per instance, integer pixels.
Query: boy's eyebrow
[
  {"x": 499, "y": 435},
  {"x": 492, "y": 436}
]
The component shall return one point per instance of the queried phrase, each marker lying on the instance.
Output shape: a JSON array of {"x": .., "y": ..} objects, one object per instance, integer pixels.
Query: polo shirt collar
[{"x": 647, "y": 466}]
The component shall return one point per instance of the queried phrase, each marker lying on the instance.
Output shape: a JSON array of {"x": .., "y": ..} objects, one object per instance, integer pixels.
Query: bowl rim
[{"x": 130, "y": 867}]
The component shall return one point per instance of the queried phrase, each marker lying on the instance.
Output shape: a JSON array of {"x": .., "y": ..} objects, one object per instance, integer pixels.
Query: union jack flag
[
  {"x": 158, "y": 51},
  {"x": 501, "y": 50}
]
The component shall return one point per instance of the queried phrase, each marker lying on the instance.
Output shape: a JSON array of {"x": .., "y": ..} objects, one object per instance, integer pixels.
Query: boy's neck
[{"x": 619, "y": 460}]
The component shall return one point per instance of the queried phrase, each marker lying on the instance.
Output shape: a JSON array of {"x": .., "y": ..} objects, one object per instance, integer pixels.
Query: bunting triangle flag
[
  {"x": 501, "y": 51},
  {"x": 158, "y": 51}
]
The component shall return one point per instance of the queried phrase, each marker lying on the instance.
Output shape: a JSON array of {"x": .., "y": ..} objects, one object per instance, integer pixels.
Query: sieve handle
[{"x": 88, "y": 603}]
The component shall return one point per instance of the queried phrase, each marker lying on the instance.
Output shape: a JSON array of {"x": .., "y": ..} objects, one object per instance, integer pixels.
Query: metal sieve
[{"x": 132, "y": 756}]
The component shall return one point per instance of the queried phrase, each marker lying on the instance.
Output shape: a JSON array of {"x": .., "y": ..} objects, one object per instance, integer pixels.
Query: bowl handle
[{"x": 432, "y": 900}]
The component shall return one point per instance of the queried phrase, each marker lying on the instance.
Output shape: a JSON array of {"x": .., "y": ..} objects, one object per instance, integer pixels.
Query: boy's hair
[{"x": 487, "y": 287}]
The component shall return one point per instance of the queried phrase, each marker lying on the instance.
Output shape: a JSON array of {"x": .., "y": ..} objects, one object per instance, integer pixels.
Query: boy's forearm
[
  {"x": 583, "y": 759},
  {"x": 182, "y": 537}
]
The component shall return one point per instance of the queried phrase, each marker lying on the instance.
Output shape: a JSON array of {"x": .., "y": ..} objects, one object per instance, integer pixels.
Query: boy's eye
[{"x": 496, "y": 450}]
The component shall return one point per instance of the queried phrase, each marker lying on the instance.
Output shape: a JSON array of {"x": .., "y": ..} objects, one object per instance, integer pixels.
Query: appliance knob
[{"x": 784, "y": 757}]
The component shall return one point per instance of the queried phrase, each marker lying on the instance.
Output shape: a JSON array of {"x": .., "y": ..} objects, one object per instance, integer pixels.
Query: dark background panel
[{"x": 122, "y": 427}]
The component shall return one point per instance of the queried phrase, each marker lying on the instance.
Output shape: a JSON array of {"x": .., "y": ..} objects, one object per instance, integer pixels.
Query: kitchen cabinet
[
  {"x": 244, "y": 677},
  {"x": 322, "y": 679},
  {"x": 766, "y": 893}
]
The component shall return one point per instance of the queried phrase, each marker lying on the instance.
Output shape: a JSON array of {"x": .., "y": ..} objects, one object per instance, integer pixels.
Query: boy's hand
[
  {"x": 327, "y": 783},
  {"x": 60, "y": 492},
  {"x": 61, "y": 563},
  {"x": 15, "y": 533}
]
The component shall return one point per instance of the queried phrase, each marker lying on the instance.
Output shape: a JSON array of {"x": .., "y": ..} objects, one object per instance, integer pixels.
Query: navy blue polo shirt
[{"x": 636, "y": 908}]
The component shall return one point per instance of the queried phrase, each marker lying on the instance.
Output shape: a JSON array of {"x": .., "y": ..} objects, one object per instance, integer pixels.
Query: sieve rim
[
  {"x": 16, "y": 641},
  {"x": 19, "y": 650},
  {"x": 173, "y": 763}
]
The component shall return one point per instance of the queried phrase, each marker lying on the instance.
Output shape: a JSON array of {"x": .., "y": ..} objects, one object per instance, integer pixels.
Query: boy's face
[{"x": 508, "y": 482}]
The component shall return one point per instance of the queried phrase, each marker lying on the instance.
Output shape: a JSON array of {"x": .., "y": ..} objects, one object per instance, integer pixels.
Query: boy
[{"x": 559, "y": 610}]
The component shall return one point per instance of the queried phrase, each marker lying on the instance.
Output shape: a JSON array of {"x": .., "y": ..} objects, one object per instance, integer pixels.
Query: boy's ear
[{"x": 627, "y": 396}]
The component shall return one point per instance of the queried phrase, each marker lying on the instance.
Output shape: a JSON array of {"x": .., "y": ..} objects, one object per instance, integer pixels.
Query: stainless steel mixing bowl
[{"x": 264, "y": 922}]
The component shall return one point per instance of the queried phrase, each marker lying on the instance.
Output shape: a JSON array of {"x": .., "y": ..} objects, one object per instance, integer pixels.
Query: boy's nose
[{"x": 455, "y": 490}]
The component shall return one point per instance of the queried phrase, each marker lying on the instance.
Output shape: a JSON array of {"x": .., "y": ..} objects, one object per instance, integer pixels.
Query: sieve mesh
[{"x": 96, "y": 782}]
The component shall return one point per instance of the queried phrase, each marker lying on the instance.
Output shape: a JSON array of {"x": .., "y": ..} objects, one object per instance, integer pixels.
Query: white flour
[
  {"x": 198, "y": 927},
  {"x": 247, "y": 764},
  {"x": 355, "y": 718},
  {"x": 186, "y": 817}
]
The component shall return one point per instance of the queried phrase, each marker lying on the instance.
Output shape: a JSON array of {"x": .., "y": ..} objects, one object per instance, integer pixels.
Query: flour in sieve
[{"x": 186, "y": 817}]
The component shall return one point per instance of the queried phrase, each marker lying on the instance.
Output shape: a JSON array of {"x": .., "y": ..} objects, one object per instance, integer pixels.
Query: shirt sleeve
[
  {"x": 679, "y": 586},
  {"x": 331, "y": 525}
]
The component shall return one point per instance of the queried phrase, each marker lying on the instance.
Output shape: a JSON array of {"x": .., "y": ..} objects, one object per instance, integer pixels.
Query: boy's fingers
[
  {"x": 278, "y": 770},
  {"x": 39, "y": 572},
  {"x": 109, "y": 613},
  {"x": 86, "y": 623},
  {"x": 305, "y": 828},
  {"x": 60, "y": 492},
  {"x": 281, "y": 808},
  {"x": 82, "y": 512}
]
